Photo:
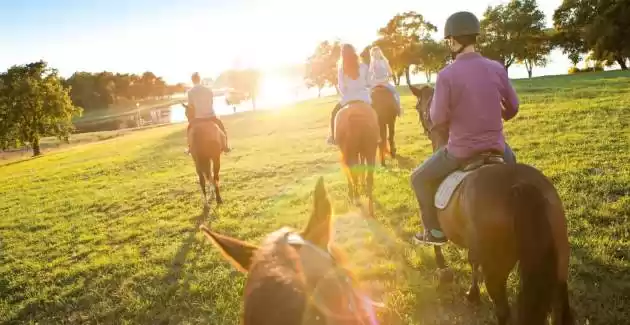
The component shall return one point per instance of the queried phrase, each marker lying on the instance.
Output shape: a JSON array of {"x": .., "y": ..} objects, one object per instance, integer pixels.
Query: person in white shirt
[
  {"x": 200, "y": 107},
  {"x": 352, "y": 82},
  {"x": 380, "y": 73}
]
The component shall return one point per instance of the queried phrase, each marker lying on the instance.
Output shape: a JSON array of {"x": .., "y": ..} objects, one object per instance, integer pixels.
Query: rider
[
  {"x": 471, "y": 96},
  {"x": 380, "y": 72},
  {"x": 200, "y": 103},
  {"x": 352, "y": 82}
]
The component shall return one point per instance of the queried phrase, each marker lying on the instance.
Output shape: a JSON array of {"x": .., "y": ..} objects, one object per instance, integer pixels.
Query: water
[{"x": 275, "y": 92}]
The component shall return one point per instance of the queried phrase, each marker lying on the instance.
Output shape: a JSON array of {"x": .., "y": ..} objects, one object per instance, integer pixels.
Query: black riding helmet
[{"x": 461, "y": 23}]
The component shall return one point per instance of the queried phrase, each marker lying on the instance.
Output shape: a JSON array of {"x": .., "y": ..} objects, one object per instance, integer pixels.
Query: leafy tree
[
  {"x": 536, "y": 52},
  {"x": 321, "y": 67},
  {"x": 601, "y": 26},
  {"x": 244, "y": 84},
  {"x": 507, "y": 30},
  {"x": 100, "y": 90},
  {"x": 433, "y": 57},
  {"x": 34, "y": 104},
  {"x": 401, "y": 40}
]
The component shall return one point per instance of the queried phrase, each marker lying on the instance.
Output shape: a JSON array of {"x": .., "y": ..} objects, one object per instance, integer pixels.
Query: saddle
[
  {"x": 484, "y": 158},
  {"x": 451, "y": 182}
]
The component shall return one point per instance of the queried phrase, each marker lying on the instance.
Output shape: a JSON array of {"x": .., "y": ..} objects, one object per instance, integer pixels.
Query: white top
[
  {"x": 351, "y": 89},
  {"x": 379, "y": 72},
  {"x": 201, "y": 98}
]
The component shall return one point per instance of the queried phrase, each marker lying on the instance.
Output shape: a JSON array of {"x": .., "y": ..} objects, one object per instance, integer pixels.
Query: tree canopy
[
  {"x": 100, "y": 90},
  {"x": 514, "y": 32},
  {"x": 321, "y": 66},
  {"x": 601, "y": 27},
  {"x": 243, "y": 83},
  {"x": 33, "y": 103}
]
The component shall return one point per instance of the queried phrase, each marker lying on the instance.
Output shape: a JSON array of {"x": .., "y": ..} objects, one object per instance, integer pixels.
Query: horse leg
[
  {"x": 562, "y": 314},
  {"x": 383, "y": 143},
  {"x": 392, "y": 130},
  {"x": 216, "y": 168},
  {"x": 348, "y": 162},
  {"x": 473, "y": 293},
  {"x": 371, "y": 163},
  {"x": 204, "y": 194},
  {"x": 444, "y": 273},
  {"x": 496, "y": 281}
]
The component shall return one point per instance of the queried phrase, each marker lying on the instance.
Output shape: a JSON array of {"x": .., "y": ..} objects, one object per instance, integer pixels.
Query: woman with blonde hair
[{"x": 380, "y": 73}]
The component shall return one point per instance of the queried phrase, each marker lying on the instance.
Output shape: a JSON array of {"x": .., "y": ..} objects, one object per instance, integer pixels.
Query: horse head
[{"x": 297, "y": 277}]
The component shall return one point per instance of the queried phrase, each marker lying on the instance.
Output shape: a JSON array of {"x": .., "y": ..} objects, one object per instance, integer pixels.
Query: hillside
[{"x": 106, "y": 232}]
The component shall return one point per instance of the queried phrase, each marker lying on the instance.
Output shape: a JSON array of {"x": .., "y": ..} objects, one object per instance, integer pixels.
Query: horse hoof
[{"x": 445, "y": 276}]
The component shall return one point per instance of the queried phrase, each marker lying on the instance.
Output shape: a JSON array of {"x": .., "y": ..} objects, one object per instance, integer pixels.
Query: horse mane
[{"x": 276, "y": 279}]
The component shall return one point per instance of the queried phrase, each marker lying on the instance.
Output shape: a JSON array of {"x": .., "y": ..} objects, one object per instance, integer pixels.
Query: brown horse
[
  {"x": 206, "y": 145},
  {"x": 504, "y": 213},
  {"x": 357, "y": 135},
  {"x": 297, "y": 278},
  {"x": 384, "y": 104}
]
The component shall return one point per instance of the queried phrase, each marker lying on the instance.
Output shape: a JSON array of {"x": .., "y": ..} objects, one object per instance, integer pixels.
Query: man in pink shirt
[{"x": 472, "y": 96}]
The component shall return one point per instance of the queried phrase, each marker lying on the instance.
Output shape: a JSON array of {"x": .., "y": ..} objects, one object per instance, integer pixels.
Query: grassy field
[{"x": 106, "y": 232}]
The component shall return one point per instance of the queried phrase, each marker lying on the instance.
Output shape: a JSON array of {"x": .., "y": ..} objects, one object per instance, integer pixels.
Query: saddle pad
[{"x": 447, "y": 187}]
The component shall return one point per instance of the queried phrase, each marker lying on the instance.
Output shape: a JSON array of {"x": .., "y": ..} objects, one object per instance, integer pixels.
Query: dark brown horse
[
  {"x": 207, "y": 142},
  {"x": 384, "y": 104},
  {"x": 504, "y": 213},
  {"x": 357, "y": 135},
  {"x": 297, "y": 278}
]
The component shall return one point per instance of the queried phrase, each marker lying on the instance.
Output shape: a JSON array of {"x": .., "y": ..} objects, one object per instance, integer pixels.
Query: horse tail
[{"x": 536, "y": 251}]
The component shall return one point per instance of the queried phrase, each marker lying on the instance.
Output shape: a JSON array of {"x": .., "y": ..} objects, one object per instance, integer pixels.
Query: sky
[{"x": 173, "y": 38}]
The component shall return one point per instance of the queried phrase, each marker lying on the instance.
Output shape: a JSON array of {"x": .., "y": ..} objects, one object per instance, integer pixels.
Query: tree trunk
[
  {"x": 529, "y": 66},
  {"x": 36, "y": 148},
  {"x": 428, "y": 75},
  {"x": 397, "y": 80},
  {"x": 407, "y": 78},
  {"x": 319, "y": 92},
  {"x": 622, "y": 63}
]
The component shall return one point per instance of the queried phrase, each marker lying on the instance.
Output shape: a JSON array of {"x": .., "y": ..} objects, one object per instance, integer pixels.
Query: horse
[
  {"x": 384, "y": 104},
  {"x": 504, "y": 213},
  {"x": 297, "y": 277},
  {"x": 207, "y": 143},
  {"x": 357, "y": 135}
]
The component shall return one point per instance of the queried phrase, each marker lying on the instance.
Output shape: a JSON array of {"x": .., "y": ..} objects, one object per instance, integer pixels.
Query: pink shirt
[{"x": 468, "y": 96}]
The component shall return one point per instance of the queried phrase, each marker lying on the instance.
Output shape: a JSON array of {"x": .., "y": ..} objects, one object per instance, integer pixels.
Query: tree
[
  {"x": 536, "y": 51},
  {"x": 433, "y": 57},
  {"x": 507, "y": 29},
  {"x": 602, "y": 27},
  {"x": 243, "y": 84},
  {"x": 34, "y": 104},
  {"x": 321, "y": 67},
  {"x": 401, "y": 40}
]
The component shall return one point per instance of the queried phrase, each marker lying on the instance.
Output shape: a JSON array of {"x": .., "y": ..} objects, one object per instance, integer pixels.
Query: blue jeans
[{"x": 426, "y": 179}]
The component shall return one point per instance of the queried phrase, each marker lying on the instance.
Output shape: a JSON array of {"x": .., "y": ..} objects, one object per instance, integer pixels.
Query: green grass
[{"x": 106, "y": 232}]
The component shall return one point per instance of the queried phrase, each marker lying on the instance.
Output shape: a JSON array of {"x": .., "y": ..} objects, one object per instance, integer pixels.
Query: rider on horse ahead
[
  {"x": 200, "y": 108},
  {"x": 380, "y": 73},
  {"x": 469, "y": 97},
  {"x": 353, "y": 83}
]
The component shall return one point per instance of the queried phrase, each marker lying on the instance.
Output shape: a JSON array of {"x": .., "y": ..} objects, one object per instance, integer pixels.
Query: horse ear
[
  {"x": 415, "y": 91},
  {"x": 237, "y": 252},
  {"x": 318, "y": 229}
]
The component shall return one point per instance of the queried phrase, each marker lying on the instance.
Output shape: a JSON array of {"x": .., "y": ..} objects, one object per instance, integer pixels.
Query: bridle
[{"x": 357, "y": 301}]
